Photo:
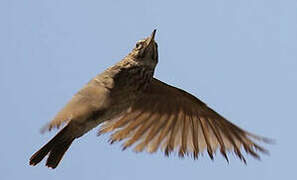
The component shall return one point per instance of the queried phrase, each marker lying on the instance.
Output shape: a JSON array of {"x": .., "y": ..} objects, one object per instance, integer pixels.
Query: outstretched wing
[{"x": 171, "y": 119}]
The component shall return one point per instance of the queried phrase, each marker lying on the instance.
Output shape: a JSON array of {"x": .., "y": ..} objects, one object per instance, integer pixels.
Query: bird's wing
[
  {"x": 91, "y": 98},
  {"x": 171, "y": 119}
]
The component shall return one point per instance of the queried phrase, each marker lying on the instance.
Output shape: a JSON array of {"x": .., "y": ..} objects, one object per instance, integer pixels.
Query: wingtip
[{"x": 261, "y": 138}]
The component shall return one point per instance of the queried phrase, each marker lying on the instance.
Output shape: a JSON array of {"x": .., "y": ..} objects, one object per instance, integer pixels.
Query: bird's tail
[{"x": 56, "y": 148}]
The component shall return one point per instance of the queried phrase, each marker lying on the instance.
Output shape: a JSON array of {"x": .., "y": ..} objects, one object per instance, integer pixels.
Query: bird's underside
[{"x": 145, "y": 113}]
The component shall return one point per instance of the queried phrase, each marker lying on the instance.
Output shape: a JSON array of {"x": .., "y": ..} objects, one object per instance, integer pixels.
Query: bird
[{"x": 146, "y": 113}]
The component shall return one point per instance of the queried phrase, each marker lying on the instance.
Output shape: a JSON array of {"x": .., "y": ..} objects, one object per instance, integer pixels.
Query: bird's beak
[{"x": 152, "y": 37}]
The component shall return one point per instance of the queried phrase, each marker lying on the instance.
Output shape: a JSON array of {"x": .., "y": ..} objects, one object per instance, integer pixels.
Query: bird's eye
[{"x": 138, "y": 45}]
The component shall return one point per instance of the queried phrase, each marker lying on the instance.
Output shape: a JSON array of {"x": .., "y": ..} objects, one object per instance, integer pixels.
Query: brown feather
[
  {"x": 163, "y": 133},
  {"x": 241, "y": 135},
  {"x": 159, "y": 123},
  {"x": 195, "y": 137},
  {"x": 131, "y": 126},
  {"x": 219, "y": 138},
  {"x": 140, "y": 131},
  {"x": 109, "y": 126},
  {"x": 185, "y": 131},
  {"x": 172, "y": 134},
  {"x": 227, "y": 132},
  {"x": 205, "y": 131},
  {"x": 247, "y": 144}
]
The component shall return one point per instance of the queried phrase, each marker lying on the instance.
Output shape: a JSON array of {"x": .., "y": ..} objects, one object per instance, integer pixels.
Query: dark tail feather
[
  {"x": 56, "y": 148},
  {"x": 57, "y": 153}
]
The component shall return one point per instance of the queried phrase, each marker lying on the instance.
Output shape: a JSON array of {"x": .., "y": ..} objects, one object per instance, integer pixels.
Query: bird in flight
[{"x": 145, "y": 113}]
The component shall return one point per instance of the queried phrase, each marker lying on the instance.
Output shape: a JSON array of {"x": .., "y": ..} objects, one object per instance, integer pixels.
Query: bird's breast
[
  {"x": 132, "y": 79},
  {"x": 128, "y": 84}
]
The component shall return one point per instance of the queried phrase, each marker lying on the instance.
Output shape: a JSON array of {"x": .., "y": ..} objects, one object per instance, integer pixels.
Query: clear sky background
[{"x": 238, "y": 56}]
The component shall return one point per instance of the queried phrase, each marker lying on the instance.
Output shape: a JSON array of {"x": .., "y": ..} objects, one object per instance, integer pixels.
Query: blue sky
[{"x": 238, "y": 56}]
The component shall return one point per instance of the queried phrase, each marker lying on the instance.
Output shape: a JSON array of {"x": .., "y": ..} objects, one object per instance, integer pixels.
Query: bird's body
[{"x": 128, "y": 100}]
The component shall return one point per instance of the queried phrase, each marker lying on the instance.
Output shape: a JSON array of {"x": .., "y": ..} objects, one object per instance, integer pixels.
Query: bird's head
[{"x": 146, "y": 51}]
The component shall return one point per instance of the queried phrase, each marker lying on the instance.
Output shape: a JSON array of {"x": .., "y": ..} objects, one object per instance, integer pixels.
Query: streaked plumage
[{"x": 146, "y": 113}]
